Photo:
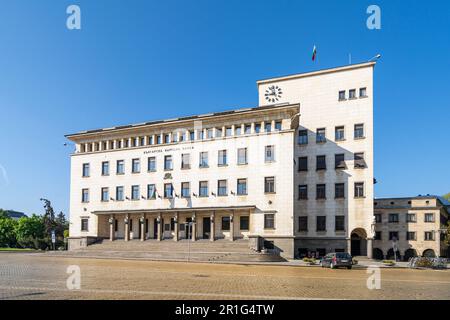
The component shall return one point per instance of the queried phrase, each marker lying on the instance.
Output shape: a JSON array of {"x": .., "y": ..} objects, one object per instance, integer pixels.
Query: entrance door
[
  {"x": 139, "y": 232},
  {"x": 206, "y": 227},
  {"x": 188, "y": 228},
  {"x": 155, "y": 228},
  {"x": 356, "y": 247}
]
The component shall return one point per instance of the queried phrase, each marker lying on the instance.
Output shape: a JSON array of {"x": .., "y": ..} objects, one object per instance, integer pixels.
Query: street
[{"x": 31, "y": 276}]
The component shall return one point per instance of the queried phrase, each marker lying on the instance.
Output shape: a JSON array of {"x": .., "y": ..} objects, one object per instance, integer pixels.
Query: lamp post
[{"x": 376, "y": 57}]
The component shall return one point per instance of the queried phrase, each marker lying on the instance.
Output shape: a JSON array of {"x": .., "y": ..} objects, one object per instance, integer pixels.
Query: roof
[{"x": 15, "y": 214}]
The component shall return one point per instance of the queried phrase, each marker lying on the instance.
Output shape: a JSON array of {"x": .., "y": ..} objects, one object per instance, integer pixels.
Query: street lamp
[{"x": 378, "y": 56}]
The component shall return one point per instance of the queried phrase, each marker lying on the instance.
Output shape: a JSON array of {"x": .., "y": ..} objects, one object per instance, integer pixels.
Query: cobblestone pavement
[{"x": 31, "y": 276}]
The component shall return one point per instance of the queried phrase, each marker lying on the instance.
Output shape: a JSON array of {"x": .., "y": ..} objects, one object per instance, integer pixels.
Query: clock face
[{"x": 273, "y": 93}]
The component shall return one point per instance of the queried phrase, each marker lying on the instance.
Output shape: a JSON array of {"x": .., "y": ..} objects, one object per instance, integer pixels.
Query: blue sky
[{"x": 135, "y": 61}]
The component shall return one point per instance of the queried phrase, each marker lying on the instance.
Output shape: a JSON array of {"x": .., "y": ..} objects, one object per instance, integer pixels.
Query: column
[
  {"x": 232, "y": 226},
  {"x": 223, "y": 131},
  {"x": 369, "y": 248},
  {"x": 127, "y": 227},
  {"x": 175, "y": 218},
  {"x": 158, "y": 220},
  {"x": 111, "y": 228},
  {"x": 212, "y": 227},
  {"x": 143, "y": 227},
  {"x": 194, "y": 229},
  {"x": 252, "y": 127},
  {"x": 349, "y": 245}
]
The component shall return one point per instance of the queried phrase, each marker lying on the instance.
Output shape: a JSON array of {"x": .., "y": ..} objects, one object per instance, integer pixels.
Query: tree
[
  {"x": 446, "y": 196},
  {"x": 447, "y": 234},
  {"x": 30, "y": 232},
  {"x": 7, "y": 232},
  {"x": 49, "y": 217}
]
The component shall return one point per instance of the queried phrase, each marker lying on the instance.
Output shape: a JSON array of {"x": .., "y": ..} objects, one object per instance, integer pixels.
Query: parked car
[{"x": 336, "y": 260}]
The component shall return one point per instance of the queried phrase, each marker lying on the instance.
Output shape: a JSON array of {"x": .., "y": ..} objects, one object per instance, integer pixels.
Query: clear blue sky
[{"x": 135, "y": 61}]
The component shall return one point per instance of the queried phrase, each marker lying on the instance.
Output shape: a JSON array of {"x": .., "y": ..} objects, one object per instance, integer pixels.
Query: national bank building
[{"x": 294, "y": 174}]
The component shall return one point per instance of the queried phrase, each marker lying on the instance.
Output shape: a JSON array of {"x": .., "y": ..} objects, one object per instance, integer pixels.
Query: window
[
  {"x": 362, "y": 92},
  {"x": 339, "y": 223},
  {"x": 167, "y": 138},
  {"x": 321, "y": 163},
  {"x": 126, "y": 143},
  {"x": 116, "y": 225},
  {"x": 228, "y": 132},
  {"x": 377, "y": 217},
  {"x": 242, "y": 187},
  {"x": 429, "y": 217},
  {"x": 210, "y": 133},
  {"x": 203, "y": 188},
  {"x": 359, "y": 161},
  {"x": 320, "y": 135},
  {"x": 185, "y": 190},
  {"x": 222, "y": 188},
  {"x": 244, "y": 223},
  {"x": 159, "y": 139},
  {"x": 185, "y": 161},
  {"x": 242, "y": 156},
  {"x": 303, "y": 164},
  {"x": 341, "y": 95},
  {"x": 168, "y": 164},
  {"x": 393, "y": 235},
  {"x": 339, "y": 190},
  {"x": 86, "y": 170},
  {"x": 191, "y": 135},
  {"x": 269, "y": 184},
  {"x": 225, "y": 223},
  {"x": 321, "y": 191},
  {"x": 359, "y": 189},
  {"x": 429, "y": 235},
  {"x": 303, "y": 137},
  {"x": 150, "y": 140},
  {"x": 269, "y": 221},
  {"x": 339, "y": 161},
  {"x": 120, "y": 167},
  {"x": 393, "y": 218},
  {"x": 168, "y": 190},
  {"x": 119, "y": 193},
  {"x": 269, "y": 154},
  {"x": 377, "y": 235},
  {"x": 267, "y": 127},
  {"x": 151, "y": 191},
  {"x": 247, "y": 129},
  {"x": 84, "y": 224},
  {"x": 359, "y": 131},
  {"x": 136, "y": 166},
  {"x": 410, "y": 235},
  {"x": 339, "y": 133},
  {"x": 105, "y": 168},
  {"x": 321, "y": 223},
  {"x": 218, "y": 133},
  {"x": 151, "y": 164},
  {"x": 237, "y": 130},
  {"x": 105, "y": 194},
  {"x": 222, "y": 158},
  {"x": 135, "y": 194},
  {"x": 182, "y": 136},
  {"x": 302, "y": 223},
  {"x": 257, "y": 127},
  {"x": 352, "y": 94},
  {"x": 203, "y": 160},
  {"x": 303, "y": 192},
  {"x": 85, "y": 195},
  {"x": 200, "y": 134},
  {"x": 411, "y": 217},
  {"x": 278, "y": 125}
]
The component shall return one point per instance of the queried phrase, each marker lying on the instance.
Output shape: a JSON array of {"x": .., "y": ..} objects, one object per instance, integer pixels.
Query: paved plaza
[{"x": 34, "y": 276}]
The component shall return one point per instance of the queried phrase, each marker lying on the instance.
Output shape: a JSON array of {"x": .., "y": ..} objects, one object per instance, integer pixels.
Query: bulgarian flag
[{"x": 314, "y": 53}]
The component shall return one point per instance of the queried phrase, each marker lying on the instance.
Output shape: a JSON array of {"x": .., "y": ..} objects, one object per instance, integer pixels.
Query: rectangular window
[
  {"x": 247, "y": 129},
  {"x": 151, "y": 164},
  {"x": 393, "y": 235},
  {"x": 278, "y": 126},
  {"x": 136, "y": 166},
  {"x": 303, "y": 137},
  {"x": 174, "y": 137},
  {"x": 185, "y": 190},
  {"x": 267, "y": 127},
  {"x": 86, "y": 170},
  {"x": 341, "y": 95},
  {"x": 377, "y": 235},
  {"x": 393, "y": 218},
  {"x": 119, "y": 193},
  {"x": 203, "y": 188},
  {"x": 203, "y": 159},
  {"x": 120, "y": 167},
  {"x": 241, "y": 187},
  {"x": 321, "y": 191},
  {"x": 359, "y": 131},
  {"x": 269, "y": 221},
  {"x": 269, "y": 184},
  {"x": 135, "y": 194},
  {"x": 210, "y": 133},
  {"x": 168, "y": 190},
  {"x": 228, "y": 132},
  {"x": 362, "y": 92},
  {"x": 200, "y": 134},
  {"x": 218, "y": 133},
  {"x": 237, "y": 130},
  {"x": 105, "y": 168},
  {"x": 410, "y": 235},
  {"x": 339, "y": 133},
  {"x": 269, "y": 155},
  {"x": 105, "y": 194},
  {"x": 126, "y": 143},
  {"x": 321, "y": 223},
  {"x": 151, "y": 191},
  {"x": 320, "y": 135},
  {"x": 303, "y": 192},
  {"x": 339, "y": 190},
  {"x": 85, "y": 195},
  {"x": 352, "y": 94},
  {"x": 321, "y": 163},
  {"x": 84, "y": 224},
  {"x": 411, "y": 217},
  {"x": 185, "y": 161},
  {"x": 244, "y": 223},
  {"x": 377, "y": 217},
  {"x": 222, "y": 188},
  {"x": 339, "y": 223},
  {"x": 359, "y": 161},
  {"x": 429, "y": 235},
  {"x": 158, "y": 139},
  {"x": 242, "y": 156},
  {"x": 225, "y": 223},
  {"x": 303, "y": 164},
  {"x": 168, "y": 165},
  {"x": 150, "y": 140},
  {"x": 339, "y": 161},
  {"x": 167, "y": 138},
  {"x": 429, "y": 217},
  {"x": 182, "y": 136},
  {"x": 257, "y": 127},
  {"x": 359, "y": 189},
  {"x": 191, "y": 135},
  {"x": 302, "y": 223},
  {"x": 222, "y": 158}
]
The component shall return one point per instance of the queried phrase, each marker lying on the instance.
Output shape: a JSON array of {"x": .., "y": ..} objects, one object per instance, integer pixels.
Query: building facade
[
  {"x": 410, "y": 227},
  {"x": 294, "y": 174}
]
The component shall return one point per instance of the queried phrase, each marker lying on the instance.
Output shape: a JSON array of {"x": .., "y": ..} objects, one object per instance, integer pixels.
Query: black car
[{"x": 336, "y": 260}]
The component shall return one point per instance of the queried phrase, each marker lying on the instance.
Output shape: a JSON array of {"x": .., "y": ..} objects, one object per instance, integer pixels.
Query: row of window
[
  {"x": 410, "y": 236},
  {"x": 321, "y": 223},
  {"x": 339, "y": 134},
  {"x": 181, "y": 136},
  {"x": 352, "y": 94},
  {"x": 339, "y": 162},
  {"x": 169, "y": 191},
  {"x": 222, "y": 160},
  {"x": 410, "y": 217},
  {"x": 339, "y": 191}
]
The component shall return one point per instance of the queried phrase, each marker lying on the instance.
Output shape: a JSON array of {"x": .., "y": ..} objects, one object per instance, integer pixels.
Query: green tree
[
  {"x": 30, "y": 232},
  {"x": 7, "y": 232},
  {"x": 447, "y": 196}
]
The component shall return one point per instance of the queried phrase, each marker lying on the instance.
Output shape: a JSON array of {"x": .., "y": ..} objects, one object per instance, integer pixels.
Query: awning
[{"x": 164, "y": 210}]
